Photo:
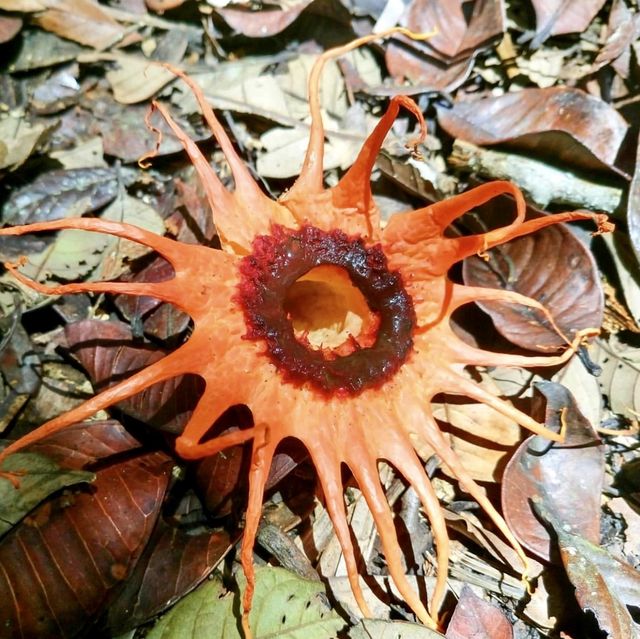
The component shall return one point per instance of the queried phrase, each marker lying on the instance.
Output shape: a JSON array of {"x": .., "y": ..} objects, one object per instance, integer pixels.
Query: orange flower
[{"x": 330, "y": 327}]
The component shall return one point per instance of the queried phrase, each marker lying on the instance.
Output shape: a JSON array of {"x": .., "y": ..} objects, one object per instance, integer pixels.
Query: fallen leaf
[
  {"x": 82, "y": 21},
  {"x": 174, "y": 562},
  {"x": 137, "y": 79},
  {"x": 566, "y": 478},
  {"x": 633, "y": 207},
  {"x": 40, "y": 49},
  {"x": 40, "y": 477},
  {"x": 264, "y": 23},
  {"x": 284, "y": 606},
  {"x": 9, "y": 28},
  {"x": 382, "y": 629},
  {"x": 64, "y": 563},
  {"x": 564, "y": 124},
  {"x": 551, "y": 266},
  {"x": 557, "y": 17},
  {"x": 603, "y": 583},
  {"x": 19, "y": 139},
  {"x": 477, "y": 618},
  {"x": 443, "y": 61}
]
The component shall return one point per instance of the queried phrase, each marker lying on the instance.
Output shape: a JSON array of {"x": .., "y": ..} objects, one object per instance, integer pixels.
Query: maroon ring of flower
[{"x": 278, "y": 261}]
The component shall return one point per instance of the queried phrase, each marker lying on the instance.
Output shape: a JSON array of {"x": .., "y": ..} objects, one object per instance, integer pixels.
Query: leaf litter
[{"x": 552, "y": 83}]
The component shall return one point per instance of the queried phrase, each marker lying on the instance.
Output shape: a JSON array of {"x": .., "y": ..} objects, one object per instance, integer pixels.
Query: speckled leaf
[
  {"x": 477, "y": 618},
  {"x": 39, "y": 478},
  {"x": 551, "y": 266},
  {"x": 566, "y": 478},
  {"x": 603, "y": 583},
  {"x": 569, "y": 126},
  {"x": 284, "y": 606},
  {"x": 60, "y": 193}
]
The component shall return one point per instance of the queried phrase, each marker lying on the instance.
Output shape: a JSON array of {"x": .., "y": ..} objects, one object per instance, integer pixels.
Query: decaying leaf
[
  {"x": 555, "y": 17},
  {"x": 18, "y": 140},
  {"x": 382, "y": 629},
  {"x": 265, "y": 23},
  {"x": 566, "y": 478}
]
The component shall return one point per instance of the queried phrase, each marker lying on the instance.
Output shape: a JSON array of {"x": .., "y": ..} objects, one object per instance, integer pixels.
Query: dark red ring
[{"x": 278, "y": 261}]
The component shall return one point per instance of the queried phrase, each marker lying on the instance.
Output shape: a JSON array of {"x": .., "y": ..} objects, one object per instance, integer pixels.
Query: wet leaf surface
[
  {"x": 551, "y": 266},
  {"x": 565, "y": 477}
]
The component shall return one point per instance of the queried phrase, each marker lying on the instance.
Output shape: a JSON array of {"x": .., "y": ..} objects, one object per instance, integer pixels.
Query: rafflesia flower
[{"x": 329, "y": 326}]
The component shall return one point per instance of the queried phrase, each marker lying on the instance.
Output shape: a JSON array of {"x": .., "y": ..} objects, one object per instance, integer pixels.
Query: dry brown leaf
[
  {"x": 82, "y": 21},
  {"x": 565, "y": 124},
  {"x": 137, "y": 79},
  {"x": 566, "y": 478},
  {"x": 477, "y": 618},
  {"x": 556, "y": 17},
  {"x": 265, "y": 23},
  {"x": 9, "y": 28}
]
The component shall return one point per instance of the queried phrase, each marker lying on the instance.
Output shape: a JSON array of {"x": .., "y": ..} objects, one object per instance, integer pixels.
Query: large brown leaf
[
  {"x": 174, "y": 562},
  {"x": 64, "y": 563},
  {"x": 264, "y": 23},
  {"x": 567, "y": 125},
  {"x": 566, "y": 478},
  {"x": 109, "y": 353},
  {"x": 442, "y": 61},
  {"x": 551, "y": 266}
]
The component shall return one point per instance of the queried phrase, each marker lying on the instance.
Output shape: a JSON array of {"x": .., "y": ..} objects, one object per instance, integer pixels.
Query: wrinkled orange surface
[{"x": 383, "y": 423}]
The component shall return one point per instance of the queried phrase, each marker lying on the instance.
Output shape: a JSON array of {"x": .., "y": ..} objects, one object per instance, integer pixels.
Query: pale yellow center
[{"x": 327, "y": 310}]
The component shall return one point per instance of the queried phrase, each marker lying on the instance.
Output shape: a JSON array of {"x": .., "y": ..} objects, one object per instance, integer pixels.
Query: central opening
[{"x": 328, "y": 313}]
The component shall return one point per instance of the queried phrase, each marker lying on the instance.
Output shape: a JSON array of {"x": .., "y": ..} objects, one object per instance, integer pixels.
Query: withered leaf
[
  {"x": 477, "y": 618},
  {"x": 633, "y": 207},
  {"x": 565, "y": 477},
  {"x": 264, "y": 23},
  {"x": 62, "y": 193},
  {"x": 108, "y": 352},
  {"x": 443, "y": 61},
  {"x": 556, "y": 17},
  {"x": 551, "y": 266},
  {"x": 39, "y": 49},
  {"x": 173, "y": 563},
  {"x": 62, "y": 565},
  {"x": 9, "y": 28},
  {"x": 567, "y": 125},
  {"x": 83, "y": 21},
  {"x": 603, "y": 583}
]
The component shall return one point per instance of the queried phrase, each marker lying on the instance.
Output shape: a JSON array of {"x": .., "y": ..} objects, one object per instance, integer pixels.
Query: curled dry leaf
[
  {"x": 567, "y": 125},
  {"x": 477, "y": 618},
  {"x": 555, "y": 268},
  {"x": 566, "y": 478},
  {"x": 443, "y": 61},
  {"x": 63, "y": 564}
]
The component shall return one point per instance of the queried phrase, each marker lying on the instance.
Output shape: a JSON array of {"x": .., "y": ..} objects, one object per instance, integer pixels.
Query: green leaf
[
  {"x": 38, "y": 478},
  {"x": 285, "y": 606}
]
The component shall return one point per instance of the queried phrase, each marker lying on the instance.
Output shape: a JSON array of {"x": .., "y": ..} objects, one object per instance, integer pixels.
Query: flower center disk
[{"x": 327, "y": 307}]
